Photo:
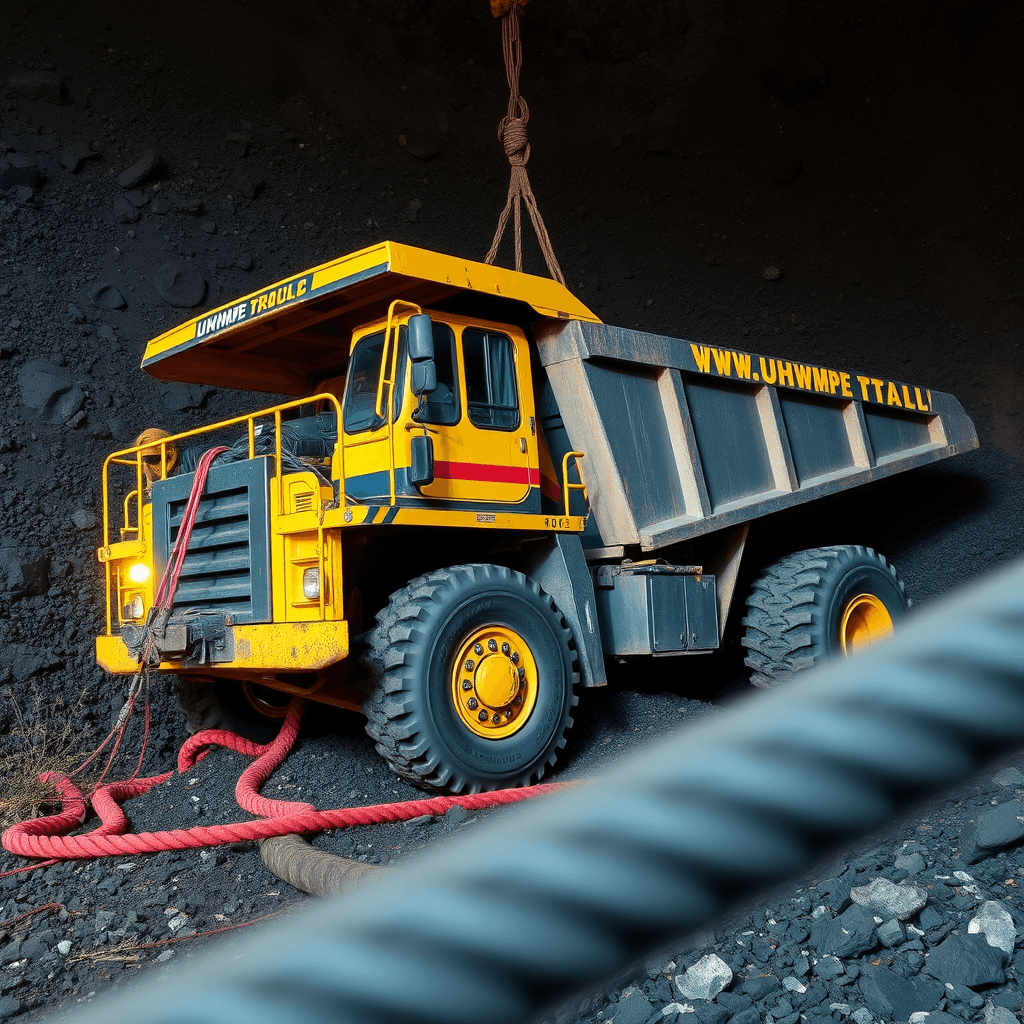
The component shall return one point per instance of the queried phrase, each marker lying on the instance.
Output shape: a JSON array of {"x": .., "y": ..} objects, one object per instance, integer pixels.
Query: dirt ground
[{"x": 872, "y": 153}]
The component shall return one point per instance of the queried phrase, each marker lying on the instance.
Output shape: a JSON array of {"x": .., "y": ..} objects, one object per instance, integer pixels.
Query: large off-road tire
[
  {"x": 471, "y": 680},
  {"x": 816, "y": 603},
  {"x": 225, "y": 704}
]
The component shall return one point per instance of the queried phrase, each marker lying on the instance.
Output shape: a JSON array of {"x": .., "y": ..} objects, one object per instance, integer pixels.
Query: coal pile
[{"x": 840, "y": 187}]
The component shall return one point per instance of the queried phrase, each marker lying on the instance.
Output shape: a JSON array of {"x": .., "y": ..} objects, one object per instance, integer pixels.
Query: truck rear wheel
[
  {"x": 816, "y": 603},
  {"x": 472, "y": 672},
  {"x": 253, "y": 711}
]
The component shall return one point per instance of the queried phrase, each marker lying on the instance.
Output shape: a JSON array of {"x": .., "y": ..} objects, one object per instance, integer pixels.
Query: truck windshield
[{"x": 364, "y": 374}]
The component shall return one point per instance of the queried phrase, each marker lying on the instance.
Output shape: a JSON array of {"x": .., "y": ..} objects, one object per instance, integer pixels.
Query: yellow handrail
[
  {"x": 567, "y": 487},
  {"x": 133, "y": 456},
  {"x": 387, "y": 378}
]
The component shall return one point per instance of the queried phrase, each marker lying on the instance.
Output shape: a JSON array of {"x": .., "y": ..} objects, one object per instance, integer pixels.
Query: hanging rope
[{"x": 512, "y": 133}]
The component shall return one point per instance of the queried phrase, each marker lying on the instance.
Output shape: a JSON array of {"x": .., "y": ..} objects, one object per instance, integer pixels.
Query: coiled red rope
[{"x": 48, "y": 837}]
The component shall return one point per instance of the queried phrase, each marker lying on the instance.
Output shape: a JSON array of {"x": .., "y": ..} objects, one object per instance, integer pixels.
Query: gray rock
[
  {"x": 179, "y": 397},
  {"x": 49, "y": 391},
  {"x": 105, "y": 295},
  {"x": 912, "y": 863},
  {"x": 862, "y": 1016},
  {"x": 993, "y": 921},
  {"x": 244, "y": 262},
  {"x": 849, "y": 935},
  {"x": 992, "y": 830},
  {"x": 180, "y": 284},
  {"x": 705, "y": 979},
  {"x": 966, "y": 960},
  {"x": 791, "y": 984},
  {"x": 930, "y": 918},
  {"x": 84, "y": 519},
  {"x": 24, "y": 571},
  {"x": 456, "y": 814},
  {"x": 64, "y": 947},
  {"x": 760, "y": 986},
  {"x": 236, "y": 144},
  {"x": 124, "y": 212},
  {"x": 750, "y": 1016},
  {"x": 893, "y": 998},
  {"x": 999, "y": 1015},
  {"x": 633, "y": 1008},
  {"x": 104, "y": 919},
  {"x": 74, "y": 155},
  {"x": 891, "y": 933},
  {"x": 828, "y": 967},
  {"x": 37, "y": 85},
  {"x": 412, "y": 211},
  {"x": 10, "y": 1007},
  {"x": 1009, "y": 777},
  {"x": 140, "y": 171},
  {"x": 887, "y": 899}
]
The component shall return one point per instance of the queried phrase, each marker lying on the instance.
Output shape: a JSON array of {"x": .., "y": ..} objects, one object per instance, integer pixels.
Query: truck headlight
[
  {"x": 134, "y": 609},
  {"x": 311, "y": 584},
  {"x": 139, "y": 572}
]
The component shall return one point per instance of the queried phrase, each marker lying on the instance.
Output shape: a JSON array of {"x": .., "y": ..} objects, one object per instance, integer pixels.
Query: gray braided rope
[{"x": 566, "y": 890}]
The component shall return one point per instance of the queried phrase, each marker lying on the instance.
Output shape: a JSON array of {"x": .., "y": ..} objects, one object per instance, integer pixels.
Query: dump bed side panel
[{"x": 682, "y": 439}]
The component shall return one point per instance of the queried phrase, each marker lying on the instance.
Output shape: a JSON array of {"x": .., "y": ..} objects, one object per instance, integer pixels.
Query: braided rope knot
[{"x": 512, "y": 133}]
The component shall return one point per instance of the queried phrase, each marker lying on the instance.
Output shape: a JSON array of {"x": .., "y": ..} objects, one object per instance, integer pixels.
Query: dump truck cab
[{"x": 473, "y": 494}]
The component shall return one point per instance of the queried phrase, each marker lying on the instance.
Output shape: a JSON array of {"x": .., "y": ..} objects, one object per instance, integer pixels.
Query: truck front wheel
[
  {"x": 472, "y": 673},
  {"x": 816, "y": 603}
]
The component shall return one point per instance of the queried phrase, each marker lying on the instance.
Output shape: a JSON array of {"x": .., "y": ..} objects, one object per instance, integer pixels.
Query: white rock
[
  {"x": 176, "y": 922},
  {"x": 919, "y": 1017},
  {"x": 705, "y": 979},
  {"x": 165, "y": 956},
  {"x": 676, "y": 1008},
  {"x": 993, "y": 920},
  {"x": 998, "y": 1015},
  {"x": 862, "y": 1016},
  {"x": 899, "y": 901},
  {"x": 64, "y": 947},
  {"x": 792, "y": 984}
]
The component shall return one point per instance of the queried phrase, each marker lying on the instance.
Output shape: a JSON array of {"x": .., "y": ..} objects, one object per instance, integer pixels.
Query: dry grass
[{"x": 48, "y": 737}]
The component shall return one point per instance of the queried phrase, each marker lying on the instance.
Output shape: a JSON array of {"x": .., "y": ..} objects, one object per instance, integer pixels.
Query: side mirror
[
  {"x": 421, "y": 472},
  {"x": 424, "y": 378},
  {"x": 421, "y": 338}
]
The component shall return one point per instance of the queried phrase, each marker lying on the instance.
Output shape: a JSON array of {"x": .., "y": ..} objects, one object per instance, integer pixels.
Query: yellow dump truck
[{"x": 476, "y": 494}]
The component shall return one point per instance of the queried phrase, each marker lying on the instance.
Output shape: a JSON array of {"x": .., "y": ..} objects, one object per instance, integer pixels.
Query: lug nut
[
  {"x": 470, "y": 664},
  {"x": 522, "y": 673},
  {"x": 482, "y": 716},
  {"x": 495, "y": 718},
  {"x": 505, "y": 649},
  {"x": 492, "y": 645},
  {"x": 466, "y": 684},
  {"x": 477, "y": 650},
  {"x": 472, "y": 704},
  {"x": 515, "y": 657},
  {"x": 517, "y": 700}
]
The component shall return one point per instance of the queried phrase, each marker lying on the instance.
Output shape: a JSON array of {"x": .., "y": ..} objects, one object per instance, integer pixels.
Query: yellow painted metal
[
  {"x": 264, "y": 647},
  {"x": 386, "y": 383},
  {"x": 567, "y": 487},
  {"x": 548, "y": 298},
  {"x": 494, "y": 682},
  {"x": 865, "y": 621}
]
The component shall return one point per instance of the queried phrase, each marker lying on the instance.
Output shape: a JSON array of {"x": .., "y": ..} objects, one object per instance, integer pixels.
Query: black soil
[{"x": 871, "y": 153}]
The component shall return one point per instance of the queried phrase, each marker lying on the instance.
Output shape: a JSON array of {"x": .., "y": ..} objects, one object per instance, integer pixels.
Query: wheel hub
[
  {"x": 865, "y": 621},
  {"x": 494, "y": 682}
]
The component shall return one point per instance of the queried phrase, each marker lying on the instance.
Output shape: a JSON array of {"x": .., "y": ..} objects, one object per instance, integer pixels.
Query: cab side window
[
  {"x": 491, "y": 391},
  {"x": 442, "y": 406}
]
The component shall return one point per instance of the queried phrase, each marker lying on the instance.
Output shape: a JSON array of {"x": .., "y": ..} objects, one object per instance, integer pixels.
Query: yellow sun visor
[{"x": 284, "y": 338}]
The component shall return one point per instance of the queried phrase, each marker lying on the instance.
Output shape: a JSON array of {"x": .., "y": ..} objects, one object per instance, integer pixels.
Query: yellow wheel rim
[
  {"x": 494, "y": 682},
  {"x": 865, "y": 621}
]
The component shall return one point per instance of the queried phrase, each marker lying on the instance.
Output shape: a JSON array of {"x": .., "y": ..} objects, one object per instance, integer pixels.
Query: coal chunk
[
  {"x": 141, "y": 171},
  {"x": 850, "y": 934},
  {"x": 966, "y": 960},
  {"x": 992, "y": 830},
  {"x": 180, "y": 284},
  {"x": 106, "y": 296},
  {"x": 893, "y": 998},
  {"x": 49, "y": 391}
]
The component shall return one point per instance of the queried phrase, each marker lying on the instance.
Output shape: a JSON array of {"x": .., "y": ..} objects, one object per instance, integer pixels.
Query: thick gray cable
[{"x": 562, "y": 892}]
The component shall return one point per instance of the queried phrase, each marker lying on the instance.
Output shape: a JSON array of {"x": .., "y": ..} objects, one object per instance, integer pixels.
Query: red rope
[{"x": 48, "y": 837}]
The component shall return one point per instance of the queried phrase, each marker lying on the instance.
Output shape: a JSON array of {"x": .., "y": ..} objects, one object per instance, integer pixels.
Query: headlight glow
[
  {"x": 139, "y": 572},
  {"x": 311, "y": 584},
  {"x": 134, "y": 609}
]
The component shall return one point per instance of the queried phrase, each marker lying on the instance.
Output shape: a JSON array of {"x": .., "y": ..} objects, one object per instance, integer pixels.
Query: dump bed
[{"x": 683, "y": 438}]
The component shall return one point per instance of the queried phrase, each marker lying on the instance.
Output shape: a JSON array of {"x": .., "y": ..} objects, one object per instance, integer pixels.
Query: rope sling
[{"x": 513, "y": 136}]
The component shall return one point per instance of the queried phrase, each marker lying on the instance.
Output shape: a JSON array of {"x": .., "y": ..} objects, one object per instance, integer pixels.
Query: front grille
[{"x": 227, "y": 567}]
